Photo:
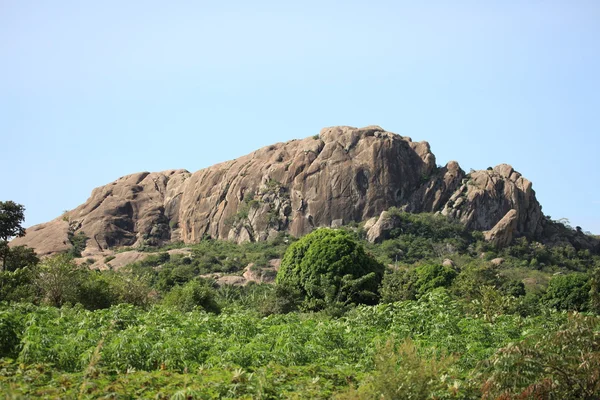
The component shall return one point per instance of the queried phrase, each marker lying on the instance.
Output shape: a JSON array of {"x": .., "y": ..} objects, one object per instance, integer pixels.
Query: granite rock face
[
  {"x": 344, "y": 174},
  {"x": 135, "y": 209},
  {"x": 502, "y": 233},
  {"x": 486, "y": 196}
]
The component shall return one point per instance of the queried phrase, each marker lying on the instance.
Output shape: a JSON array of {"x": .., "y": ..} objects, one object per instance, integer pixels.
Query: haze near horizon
[{"x": 91, "y": 92}]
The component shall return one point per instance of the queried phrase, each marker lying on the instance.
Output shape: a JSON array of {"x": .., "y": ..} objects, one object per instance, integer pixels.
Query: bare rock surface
[
  {"x": 502, "y": 233},
  {"x": 234, "y": 280},
  {"x": 263, "y": 274},
  {"x": 342, "y": 175},
  {"x": 117, "y": 260},
  {"x": 47, "y": 238},
  {"x": 486, "y": 196},
  {"x": 497, "y": 261}
]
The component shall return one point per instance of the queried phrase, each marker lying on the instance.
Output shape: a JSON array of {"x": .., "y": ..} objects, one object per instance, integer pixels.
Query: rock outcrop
[
  {"x": 485, "y": 197},
  {"x": 342, "y": 175},
  {"x": 502, "y": 233},
  {"x": 136, "y": 209}
]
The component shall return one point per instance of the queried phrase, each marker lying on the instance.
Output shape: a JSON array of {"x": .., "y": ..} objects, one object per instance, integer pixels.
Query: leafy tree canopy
[
  {"x": 568, "y": 292},
  {"x": 12, "y": 216},
  {"x": 329, "y": 267}
]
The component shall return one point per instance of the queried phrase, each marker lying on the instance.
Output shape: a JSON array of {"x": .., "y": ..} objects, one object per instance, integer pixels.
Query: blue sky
[{"x": 91, "y": 91}]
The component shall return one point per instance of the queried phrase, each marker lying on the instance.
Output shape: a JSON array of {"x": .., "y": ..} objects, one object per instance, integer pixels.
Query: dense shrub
[
  {"x": 57, "y": 279},
  {"x": 329, "y": 267},
  {"x": 555, "y": 364},
  {"x": 96, "y": 292},
  {"x": 398, "y": 285},
  {"x": 191, "y": 295},
  {"x": 432, "y": 276},
  {"x": 78, "y": 243},
  {"x": 20, "y": 257},
  {"x": 402, "y": 373},
  {"x": 568, "y": 292}
]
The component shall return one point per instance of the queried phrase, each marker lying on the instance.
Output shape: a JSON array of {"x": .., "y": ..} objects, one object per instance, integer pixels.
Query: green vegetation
[
  {"x": 330, "y": 269},
  {"x": 78, "y": 241},
  {"x": 12, "y": 216},
  {"x": 336, "y": 324}
]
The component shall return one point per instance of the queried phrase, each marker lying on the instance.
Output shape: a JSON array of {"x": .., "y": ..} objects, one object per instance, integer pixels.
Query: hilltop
[{"x": 340, "y": 176}]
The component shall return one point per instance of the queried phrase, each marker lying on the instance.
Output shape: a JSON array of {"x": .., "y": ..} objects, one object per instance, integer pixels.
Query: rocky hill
[{"x": 344, "y": 174}]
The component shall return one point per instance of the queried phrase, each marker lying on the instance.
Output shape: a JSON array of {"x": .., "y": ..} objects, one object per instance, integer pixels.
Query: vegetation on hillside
[{"x": 432, "y": 312}]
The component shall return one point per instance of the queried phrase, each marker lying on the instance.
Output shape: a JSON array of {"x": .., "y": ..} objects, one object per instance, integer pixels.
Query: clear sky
[{"x": 93, "y": 90}]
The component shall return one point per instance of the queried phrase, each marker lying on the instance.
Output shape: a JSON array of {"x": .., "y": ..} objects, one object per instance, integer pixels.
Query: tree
[
  {"x": 568, "y": 292},
  {"x": 329, "y": 268},
  {"x": 431, "y": 276},
  {"x": 191, "y": 295},
  {"x": 58, "y": 279},
  {"x": 398, "y": 285},
  {"x": 12, "y": 216},
  {"x": 20, "y": 257}
]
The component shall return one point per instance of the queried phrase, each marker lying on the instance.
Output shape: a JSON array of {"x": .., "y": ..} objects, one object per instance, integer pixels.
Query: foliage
[
  {"x": 17, "y": 285},
  {"x": 568, "y": 292},
  {"x": 78, "y": 241},
  {"x": 327, "y": 267},
  {"x": 96, "y": 292},
  {"x": 431, "y": 276},
  {"x": 402, "y": 373},
  {"x": 131, "y": 288},
  {"x": 475, "y": 329},
  {"x": 20, "y": 257},
  {"x": 12, "y": 216},
  {"x": 229, "y": 382},
  {"x": 595, "y": 290},
  {"x": 472, "y": 277},
  {"x": 398, "y": 285},
  {"x": 191, "y": 295},
  {"x": 435, "y": 342},
  {"x": 561, "y": 364},
  {"x": 421, "y": 237},
  {"x": 409, "y": 284},
  {"x": 57, "y": 279}
]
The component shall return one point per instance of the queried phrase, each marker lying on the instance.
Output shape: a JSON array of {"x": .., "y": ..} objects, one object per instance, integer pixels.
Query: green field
[{"x": 345, "y": 319}]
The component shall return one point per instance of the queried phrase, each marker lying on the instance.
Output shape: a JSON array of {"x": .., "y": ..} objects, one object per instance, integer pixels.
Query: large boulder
[{"x": 502, "y": 233}]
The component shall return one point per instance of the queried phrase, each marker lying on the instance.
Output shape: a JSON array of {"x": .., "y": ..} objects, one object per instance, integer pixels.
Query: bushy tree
[
  {"x": 473, "y": 277},
  {"x": 328, "y": 267},
  {"x": 17, "y": 285},
  {"x": 58, "y": 279},
  {"x": 96, "y": 292},
  {"x": 412, "y": 283},
  {"x": 398, "y": 285},
  {"x": 20, "y": 257},
  {"x": 12, "y": 216},
  {"x": 568, "y": 292},
  {"x": 191, "y": 295},
  {"x": 433, "y": 276}
]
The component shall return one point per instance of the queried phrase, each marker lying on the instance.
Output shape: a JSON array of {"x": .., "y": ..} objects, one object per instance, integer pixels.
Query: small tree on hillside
[
  {"x": 568, "y": 292},
  {"x": 12, "y": 216},
  {"x": 329, "y": 268},
  {"x": 58, "y": 279}
]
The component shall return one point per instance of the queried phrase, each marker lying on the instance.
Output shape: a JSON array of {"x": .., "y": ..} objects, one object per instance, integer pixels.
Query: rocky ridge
[{"x": 344, "y": 174}]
